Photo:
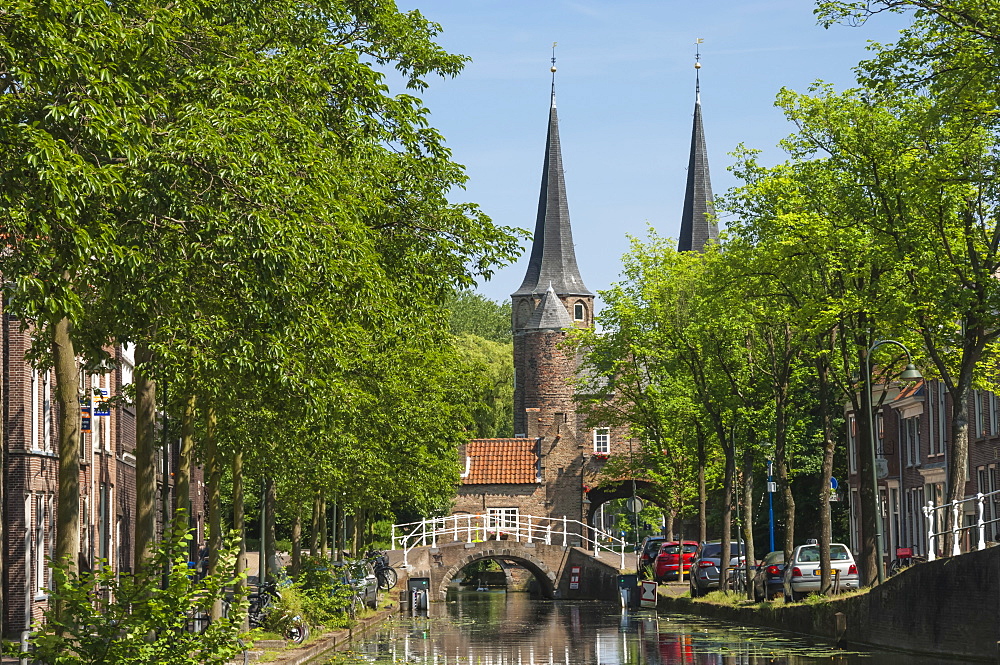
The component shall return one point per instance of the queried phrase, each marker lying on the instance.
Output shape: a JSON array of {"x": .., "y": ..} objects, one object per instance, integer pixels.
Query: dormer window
[{"x": 579, "y": 313}]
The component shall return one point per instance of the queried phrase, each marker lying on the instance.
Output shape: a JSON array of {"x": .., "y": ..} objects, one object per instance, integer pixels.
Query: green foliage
[
  {"x": 475, "y": 314},
  {"x": 111, "y": 617},
  {"x": 319, "y": 595}
]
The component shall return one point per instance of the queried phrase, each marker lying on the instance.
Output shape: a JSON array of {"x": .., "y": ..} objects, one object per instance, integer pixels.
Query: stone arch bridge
[{"x": 566, "y": 561}]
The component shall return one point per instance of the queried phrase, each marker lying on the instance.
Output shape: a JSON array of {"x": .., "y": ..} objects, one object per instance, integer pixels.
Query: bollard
[{"x": 25, "y": 634}]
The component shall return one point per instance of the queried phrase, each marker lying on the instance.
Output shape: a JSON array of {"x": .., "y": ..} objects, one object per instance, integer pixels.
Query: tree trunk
[
  {"x": 669, "y": 516},
  {"x": 702, "y": 489},
  {"x": 270, "y": 540},
  {"x": 958, "y": 462},
  {"x": 182, "y": 481},
  {"x": 297, "y": 541},
  {"x": 67, "y": 548},
  {"x": 213, "y": 469},
  {"x": 145, "y": 459},
  {"x": 829, "y": 447},
  {"x": 781, "y": 463},
  {"x": 729, "y": 477},
  {"x": 314, "y": 527},
  {"x": 353, "y": 530},
  {"x": 747, "y": 495},
  {"x": 867, "y": 496},
  {"x": 239, "y": 525},
  {"x": 324, "y": 536}
]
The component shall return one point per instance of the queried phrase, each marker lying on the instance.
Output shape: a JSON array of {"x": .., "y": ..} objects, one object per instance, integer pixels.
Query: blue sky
[{"x": 625, "y": 90}]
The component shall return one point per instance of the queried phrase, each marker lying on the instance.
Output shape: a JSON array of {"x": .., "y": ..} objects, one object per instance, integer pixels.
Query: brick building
[
  {"x": 553, "y": 465},
  {"x": 29, "y": 414},
  {"x": 912, "y": 443}
]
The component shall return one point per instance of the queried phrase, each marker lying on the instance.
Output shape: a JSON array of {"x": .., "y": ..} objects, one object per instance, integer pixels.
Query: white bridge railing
[
  {"x": 519, "y": 528},
  {"x": 935, "y": 516}
]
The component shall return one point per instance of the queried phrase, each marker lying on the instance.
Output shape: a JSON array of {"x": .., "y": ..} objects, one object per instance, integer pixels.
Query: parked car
[
  {"x": 648, "y": 549},
  {"x": 669, "y": 559},
  {"x": 768, "y": 579},
  {"x": 706, "y": 564},
  {"x": 806, "y": 569}
]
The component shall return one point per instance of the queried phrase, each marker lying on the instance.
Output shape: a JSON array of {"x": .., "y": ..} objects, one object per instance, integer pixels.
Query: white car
[{"x": 806, "y": 569}]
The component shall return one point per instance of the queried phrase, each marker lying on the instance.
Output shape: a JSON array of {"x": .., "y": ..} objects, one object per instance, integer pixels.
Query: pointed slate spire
[
  {"x": 553, "y": 257},
  {"x": 698, "y": 223},
  {"x": 550, "y": 314}
]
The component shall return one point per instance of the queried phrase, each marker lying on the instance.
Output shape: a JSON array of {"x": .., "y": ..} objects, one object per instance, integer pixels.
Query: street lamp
[{"x": 910, "y": 373}]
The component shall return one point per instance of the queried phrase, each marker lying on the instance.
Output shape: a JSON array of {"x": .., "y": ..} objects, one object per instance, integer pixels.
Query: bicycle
[
  {"x": 293, "y": 628},
  {"x": 384, "y": 573},
  {"x": 904, "y": 559}
]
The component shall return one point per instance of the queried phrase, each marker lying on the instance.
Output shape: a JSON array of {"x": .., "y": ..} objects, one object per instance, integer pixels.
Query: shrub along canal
[{"x": 498, "y": 628}]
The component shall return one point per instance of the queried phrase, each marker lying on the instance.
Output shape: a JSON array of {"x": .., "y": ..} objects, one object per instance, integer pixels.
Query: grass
[{"x": 738, "y": 600}]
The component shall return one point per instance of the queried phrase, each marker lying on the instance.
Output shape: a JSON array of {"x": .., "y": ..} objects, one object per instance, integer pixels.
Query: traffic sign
[
  {"x": 647, "y": 595},
  {"x": 634, "y": 505}
]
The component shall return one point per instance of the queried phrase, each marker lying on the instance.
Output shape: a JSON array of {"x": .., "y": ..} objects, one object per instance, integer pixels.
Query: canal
[{"x": 497, "y": 628}]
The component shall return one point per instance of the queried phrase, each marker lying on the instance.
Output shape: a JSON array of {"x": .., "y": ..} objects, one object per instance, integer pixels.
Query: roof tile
[{"x": 501, "y": 461}]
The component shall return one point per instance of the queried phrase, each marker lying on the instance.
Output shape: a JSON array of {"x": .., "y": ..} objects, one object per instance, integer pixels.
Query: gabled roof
[
  {"x": 553, "y": 256},
  {"x": 501, "y": 462},
  {"x": 550, "y": 314},
  {"x": 698, "y": 223}
]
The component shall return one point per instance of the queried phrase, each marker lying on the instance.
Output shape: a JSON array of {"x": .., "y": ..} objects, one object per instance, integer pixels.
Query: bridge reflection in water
[{"x": 497, "y": 628}]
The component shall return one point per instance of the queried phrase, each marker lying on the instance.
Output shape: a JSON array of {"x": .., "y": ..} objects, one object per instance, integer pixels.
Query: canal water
[{"x": 497, "y": 628}]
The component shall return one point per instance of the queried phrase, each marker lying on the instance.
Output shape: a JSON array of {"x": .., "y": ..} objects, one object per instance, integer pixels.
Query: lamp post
[{"x": 910, "y": 373}]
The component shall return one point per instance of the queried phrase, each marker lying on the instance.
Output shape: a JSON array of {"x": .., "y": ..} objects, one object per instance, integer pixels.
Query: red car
[{"x": 669, "y": 556}]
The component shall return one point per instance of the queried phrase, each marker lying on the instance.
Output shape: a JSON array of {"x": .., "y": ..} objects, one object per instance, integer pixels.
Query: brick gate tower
[{"x": 553, "y": 467}]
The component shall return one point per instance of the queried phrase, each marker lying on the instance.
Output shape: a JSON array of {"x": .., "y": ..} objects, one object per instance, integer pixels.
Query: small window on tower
[
  {"x": 602, "y": 440},
  {"x": 578, "y": 312}
]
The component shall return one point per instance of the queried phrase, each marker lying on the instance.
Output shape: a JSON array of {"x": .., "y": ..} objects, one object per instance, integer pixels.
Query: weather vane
[{"x": 697, "y": 65}]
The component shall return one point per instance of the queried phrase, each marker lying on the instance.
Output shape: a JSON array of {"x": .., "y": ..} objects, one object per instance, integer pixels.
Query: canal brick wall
[{"x": 948, "y": 607}]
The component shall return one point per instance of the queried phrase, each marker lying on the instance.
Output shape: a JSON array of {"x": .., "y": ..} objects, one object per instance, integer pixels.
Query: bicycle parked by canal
[
  {"x": 904, "y": 559},
  {"x": 264, "y": 612},
  {"x": 384, "y": 573}
]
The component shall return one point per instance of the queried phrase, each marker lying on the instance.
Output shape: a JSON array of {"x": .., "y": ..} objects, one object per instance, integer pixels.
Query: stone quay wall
[{"x": 948, "y": 607}]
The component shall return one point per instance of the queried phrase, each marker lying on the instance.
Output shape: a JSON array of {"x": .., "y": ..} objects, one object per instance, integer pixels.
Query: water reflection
[{"x": 497, "y": 628}]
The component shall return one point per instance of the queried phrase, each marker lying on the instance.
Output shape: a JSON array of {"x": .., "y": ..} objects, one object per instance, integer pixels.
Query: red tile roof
[{"x": 501, "y": 461}]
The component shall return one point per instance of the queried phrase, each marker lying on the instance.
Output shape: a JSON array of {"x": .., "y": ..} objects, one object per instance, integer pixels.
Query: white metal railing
[
  {"x": 520, "y": 528},
  {"x": 931, "y": 512}
]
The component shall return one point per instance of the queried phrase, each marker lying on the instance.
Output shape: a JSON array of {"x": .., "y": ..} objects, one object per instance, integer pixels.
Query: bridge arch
[
  {"x": 602, "y": 494},
  {"x": 545, "y": 576}
]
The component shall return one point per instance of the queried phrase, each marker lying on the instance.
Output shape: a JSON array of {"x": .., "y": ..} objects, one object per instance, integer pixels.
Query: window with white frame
[
  {"x": 911, "y": 439},
  {"x": 47, "y": 411},
  {"x": 40, "y": 544},
  {"x": 852, "y": 443},
  {"x": 127, "y": 361},
  {"x": 991, "y": 403},
  {"x": 942, "y": 438},
  {"x": 579, "y": 312},
  {"x": 602, "y": 440},
  {"x": 977, "y": 403},
  {"x": 501, "y": 518},
  {"x": 34, "y": 410},
  {"x": 880, "y": 431}
]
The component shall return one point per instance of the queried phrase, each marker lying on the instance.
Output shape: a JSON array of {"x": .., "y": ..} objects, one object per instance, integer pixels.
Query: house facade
[
  {"x": 30, "y": 415},
  {"x": 913, "y": 440}
]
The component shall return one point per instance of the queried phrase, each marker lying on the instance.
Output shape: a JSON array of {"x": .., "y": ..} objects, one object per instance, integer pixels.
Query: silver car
[
  {"x": 806, "y": 569},
  {"x": 705, "y": 565}
]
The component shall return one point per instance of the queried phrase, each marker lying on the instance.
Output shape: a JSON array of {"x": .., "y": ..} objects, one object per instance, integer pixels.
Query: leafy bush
[
  {"x": 104, "y": 617},
  {"x": 320, "y": 594}
]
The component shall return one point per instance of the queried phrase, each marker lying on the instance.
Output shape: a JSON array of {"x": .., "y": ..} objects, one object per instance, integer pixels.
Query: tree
[{"x": 944, "y": 71}]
